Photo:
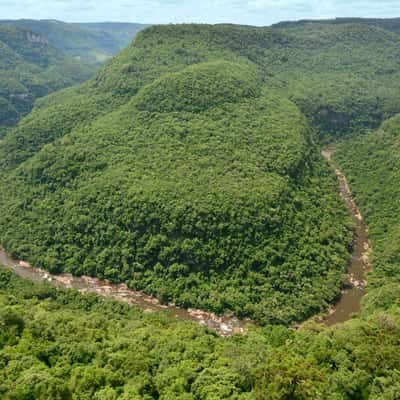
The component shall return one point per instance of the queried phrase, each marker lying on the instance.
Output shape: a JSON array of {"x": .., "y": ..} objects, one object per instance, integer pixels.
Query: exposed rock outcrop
[{"x": 35, "y": 38}]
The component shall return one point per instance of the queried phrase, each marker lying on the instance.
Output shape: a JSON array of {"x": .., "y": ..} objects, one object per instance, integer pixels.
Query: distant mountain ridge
[
  {"x": 391, "y": 24},
  {"x": 31, "y": 68},
  {"x": 92, "y": 43}
]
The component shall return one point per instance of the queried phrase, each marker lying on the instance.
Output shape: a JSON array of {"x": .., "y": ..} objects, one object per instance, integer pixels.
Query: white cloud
[{"x": 257, "y": 12}]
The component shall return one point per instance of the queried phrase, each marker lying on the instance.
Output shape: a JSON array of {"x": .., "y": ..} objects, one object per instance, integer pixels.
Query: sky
[{"x": 250, "y": 12}]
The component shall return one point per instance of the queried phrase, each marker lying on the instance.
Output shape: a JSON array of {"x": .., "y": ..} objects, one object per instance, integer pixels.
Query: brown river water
[
  {"x": 225, "y": 326},
  {"x": 354, "y": 287}
]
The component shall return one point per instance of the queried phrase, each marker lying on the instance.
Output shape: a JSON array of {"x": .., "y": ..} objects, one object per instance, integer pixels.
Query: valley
[
  {"x": 183, "y": 237},
  {"x": 89, "y": 43},
  {"x": 359, "y": 265},
  {"x": 40, "y": 57},
  {"x": 225, "y": 325},
  {"x": 354, "y": 287},
  {"x": 30, "y": 69}
]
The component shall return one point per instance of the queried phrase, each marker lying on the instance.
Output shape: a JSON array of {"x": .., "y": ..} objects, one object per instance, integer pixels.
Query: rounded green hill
[{"x": 200, "y": 87}]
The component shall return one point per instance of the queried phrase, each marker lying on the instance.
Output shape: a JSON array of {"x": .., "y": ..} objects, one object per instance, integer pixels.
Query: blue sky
[{"x": 254, "y": 12}]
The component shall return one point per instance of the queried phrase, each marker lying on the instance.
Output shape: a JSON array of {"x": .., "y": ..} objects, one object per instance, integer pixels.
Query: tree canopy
[{"x": 30, "y": 68}]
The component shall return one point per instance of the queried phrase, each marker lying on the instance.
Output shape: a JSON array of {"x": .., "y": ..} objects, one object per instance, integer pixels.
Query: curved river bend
[
  {"x": 348, "y": 304},
  {"x": 354, "y": 287},
  {"x": 225, "y": 326}
]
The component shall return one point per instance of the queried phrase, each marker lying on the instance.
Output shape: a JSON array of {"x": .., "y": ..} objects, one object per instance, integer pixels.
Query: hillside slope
[
  {"x": 179, "y": 170},
  {"x": 61, "y": 345},
  {"x": 183, "y": 168},
  {"x": 372, "y": 164},
  {"x": 92, "y": 43},
  {"x": 57, "y": 344},
  {"x": 30, "y": 68},
  {"x": 343, "y": 77}
]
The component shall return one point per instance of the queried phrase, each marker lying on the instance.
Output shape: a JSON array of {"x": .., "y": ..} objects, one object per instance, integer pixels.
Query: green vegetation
[
  {"x": 341, "y": 76},
  {"x": 200, "y": 87},
  {"x": 29, "y": 69},
  {"x": 371, "y": 163},
  {"x": 203, "y": 203},
  {"x": 92, "y": 43},
  {"x": 183, "y": 169},
  {"x": 179, "y": 170},
  {"x": 390, "y": 24},
  {"x": 57, "y": 344},
  {"x": 188, "y": 168}
]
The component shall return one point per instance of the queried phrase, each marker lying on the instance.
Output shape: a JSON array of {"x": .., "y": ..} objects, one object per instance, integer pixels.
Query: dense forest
[
  {"x": 390, "y": 24},
  {"x": 179, "y": 170},
  {"x": 60, "y": 345},
  {"x": 372, "y": 164},
  {"x": 189, "y": 168},
  {"x": 185, "y": 169},
  {"x": 91, "y": 43},
  {"x": 39, "y": 57},
  {"x": 30, "y": 68}
]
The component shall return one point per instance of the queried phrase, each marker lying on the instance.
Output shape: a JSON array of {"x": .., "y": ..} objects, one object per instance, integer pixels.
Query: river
[
  {"x": 354, "y": 286},
  {"x": 225, "y": 326},
  {"x": 348, "y": 304}
]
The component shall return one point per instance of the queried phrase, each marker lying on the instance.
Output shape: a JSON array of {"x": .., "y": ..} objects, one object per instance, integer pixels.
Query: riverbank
[
  {"x": 225, "y": 326},
  {"x": 355, "y": 283}
]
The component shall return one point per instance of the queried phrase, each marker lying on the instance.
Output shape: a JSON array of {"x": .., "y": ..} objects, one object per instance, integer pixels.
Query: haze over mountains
[
  {"x": 38, "y": 57},
  {"x": 92, "y": 43},
  {"x": 30, "y": 68},
  {"x": 189, "y": 168}
]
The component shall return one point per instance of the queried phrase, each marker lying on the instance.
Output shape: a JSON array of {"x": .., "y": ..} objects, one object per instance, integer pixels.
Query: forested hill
[
  {"x": 31, "y": 68},
  {"x": 187, "y": 166},
  {"x": 343, "y": 77},
  {"x": 182, "y": 171},
  {"x": 92, "y": 43},
  {"x": 391, "y": 24}
]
